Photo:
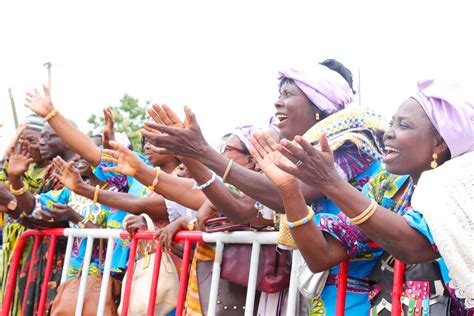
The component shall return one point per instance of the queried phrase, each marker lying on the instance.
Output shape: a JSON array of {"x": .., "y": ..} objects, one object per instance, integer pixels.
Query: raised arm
[
  {"x": 69, "y": 133},
  {"x": 390, "y": 230},
  {"x": 172, "y": 187},
  {"x": 154, "y": 205},
  {"x": 188, "y": 141}
]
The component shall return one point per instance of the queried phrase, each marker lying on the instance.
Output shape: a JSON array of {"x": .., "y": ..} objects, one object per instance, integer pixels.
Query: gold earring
[
  {"x": 317, "y": 116},
  {"x": 434, "y": 163}
]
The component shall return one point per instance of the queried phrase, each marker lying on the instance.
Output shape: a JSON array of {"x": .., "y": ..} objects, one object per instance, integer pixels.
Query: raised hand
[
  {"x": 38, "y": 103},
  {"x": 267, "y": 156},
  {"x": 317, "y": 166},
  {"x": 67, "y": 174},
  {"x": 109, "y": 134},
  {"x": 126, "y": 161},
  {"x": 172, "y": 136},
  {"x": 19, "y": 163}
]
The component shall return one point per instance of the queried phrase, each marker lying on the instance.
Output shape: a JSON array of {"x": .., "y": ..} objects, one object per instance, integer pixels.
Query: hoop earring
[
  {"x": 317, "y": 116},
  {"x": 434, "y": 163}
]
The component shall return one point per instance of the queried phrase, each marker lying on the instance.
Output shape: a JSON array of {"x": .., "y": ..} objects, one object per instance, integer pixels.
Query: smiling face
[
  {"x": 294, "y": 110},
  {"x": 411, "y": 140},
  {"x": 82, "y": 165}
]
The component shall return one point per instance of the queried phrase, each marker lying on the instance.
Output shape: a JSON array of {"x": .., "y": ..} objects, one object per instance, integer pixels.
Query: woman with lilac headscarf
[{"x": 420, "y": 210}]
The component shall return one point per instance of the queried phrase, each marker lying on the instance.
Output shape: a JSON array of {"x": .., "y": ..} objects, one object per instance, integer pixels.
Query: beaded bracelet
[
  {"x": 50, "y": 115},
  {"x": 19, "y": 191},
  {"x": 155, "y": 180},
  {"x": 302, "y": 221},
  {"x": 205, "y": 185}
]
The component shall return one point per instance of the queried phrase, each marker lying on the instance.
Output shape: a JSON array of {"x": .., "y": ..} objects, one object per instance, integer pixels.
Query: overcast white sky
[{"x": 221, "y": 57}]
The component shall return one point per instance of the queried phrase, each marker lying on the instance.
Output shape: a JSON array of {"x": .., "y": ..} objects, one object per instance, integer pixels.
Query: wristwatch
[
  {"x": 192, "y": 224},
  {"x": 12, "y": 205}
]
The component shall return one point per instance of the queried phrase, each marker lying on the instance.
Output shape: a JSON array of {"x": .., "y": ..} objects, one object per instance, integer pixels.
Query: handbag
[
  {"x": 167, "y": 288},
  {"x": 427, "y": 275},
  {"x": 64, "y": 303},
  {"x": 274, "y": 266},
  {"x": 230, "y": 297},
  {"x": 310, "y": 284}
]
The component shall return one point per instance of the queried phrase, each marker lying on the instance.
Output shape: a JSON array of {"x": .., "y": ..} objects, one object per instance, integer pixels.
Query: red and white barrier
[{"x": 188, "y": 237}]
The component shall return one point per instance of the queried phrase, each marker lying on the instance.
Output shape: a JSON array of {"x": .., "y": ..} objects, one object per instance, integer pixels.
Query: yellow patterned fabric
[
  {"x": 358, "y": 125},
  {"x": 203, "y": 252}
]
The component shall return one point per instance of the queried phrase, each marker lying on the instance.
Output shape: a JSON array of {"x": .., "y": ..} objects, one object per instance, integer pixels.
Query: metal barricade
[{"x": 256, "y": 239}]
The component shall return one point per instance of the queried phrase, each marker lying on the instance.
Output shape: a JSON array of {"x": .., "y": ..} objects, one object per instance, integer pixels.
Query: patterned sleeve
[
  {"x": 47, "y": 199},
  {"x": 119, "y": 181},
  {"x": 352, "y": 239},
  {"x": 351, "y": 161}
]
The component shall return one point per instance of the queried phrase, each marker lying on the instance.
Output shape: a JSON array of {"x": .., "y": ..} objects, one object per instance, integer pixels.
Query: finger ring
[{"x": 298, "y": 163}]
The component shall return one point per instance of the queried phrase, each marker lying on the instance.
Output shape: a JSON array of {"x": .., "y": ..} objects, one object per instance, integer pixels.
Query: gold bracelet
[
  {"x": 302, "y": 221},
  {"x": 51, "y": 115},
  {"x": 155, "y": 181},
  {"x": 19, "y": 191},
  {"x": 227, "y": 170},
  {"x": 82, "y": 224},
  {"x": 96, "y": 194},
  {"x": 365, "y": 215}
]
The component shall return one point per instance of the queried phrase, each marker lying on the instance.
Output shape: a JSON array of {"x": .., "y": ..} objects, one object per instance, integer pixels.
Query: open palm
[
  {"x": 40, "y": 104},
  {"x": 266, "y": 155},
  {"x": 67, "y": 174},
  {"x": 126, "y": 161}
]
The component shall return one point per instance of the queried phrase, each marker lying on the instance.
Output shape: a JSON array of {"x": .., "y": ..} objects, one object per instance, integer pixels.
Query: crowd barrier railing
[{"x": 256, "y": 239}]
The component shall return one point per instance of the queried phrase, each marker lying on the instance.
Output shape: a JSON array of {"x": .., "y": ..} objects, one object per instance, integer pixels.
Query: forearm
[
  {"x": 26, "y": 201},
  {"x": 76, "y": 218},
  {"x": 172, "y": 187},
  {"x": 126, "y": 202},
  {"x": 237, "y": 210},
  {"x": 75, "y": 139},
  {"x": 252, "y": 183},
  {"x": 309, "y": 238},
  {"x": 390, "y": 230}
]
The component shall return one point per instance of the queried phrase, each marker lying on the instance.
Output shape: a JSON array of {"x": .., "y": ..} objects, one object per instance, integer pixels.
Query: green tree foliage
[{"x": 129, "y": 118}]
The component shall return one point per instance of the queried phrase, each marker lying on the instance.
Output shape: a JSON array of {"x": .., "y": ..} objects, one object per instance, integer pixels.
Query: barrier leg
[
  {"x": 67, "y": 258},
  {"x": 105, "y": 276},
  {"x": 47, "y": 274},
  {"x": 399, "y": 270},
  {"x": 252, "y": 283},
  {"x": 216, "y": 275},
  {"x": 183, "y": 280},
  {"x": 30, "y": 271},
  {"x": 155, "y": 280},
  {"x": 342, "y": 288},
  {"x": 128, "y": 284},
  {"x": 13, "y": 270}
]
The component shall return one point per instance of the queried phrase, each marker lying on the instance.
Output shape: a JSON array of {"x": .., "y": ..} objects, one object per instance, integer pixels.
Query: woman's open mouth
[
  {"x": 281, "y": 118},
  {"x": 390, "y": 153}
]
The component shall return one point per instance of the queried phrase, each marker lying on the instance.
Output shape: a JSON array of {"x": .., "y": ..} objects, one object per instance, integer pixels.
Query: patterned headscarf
[
  {"x": 34, "y": 122},
  {"x": 450, "y": 112},
  {"x": 326, "y": 89}
]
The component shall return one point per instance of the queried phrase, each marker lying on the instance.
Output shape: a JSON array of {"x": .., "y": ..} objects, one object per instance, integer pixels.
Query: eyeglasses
[{"x": 228, "y": 148}]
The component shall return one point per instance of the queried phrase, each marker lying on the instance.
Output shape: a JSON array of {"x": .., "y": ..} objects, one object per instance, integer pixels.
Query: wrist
[
  {"x": 289, "y": 187},
  {"x": 85, "y": 190},
  {"x": 331, "y": 187}
]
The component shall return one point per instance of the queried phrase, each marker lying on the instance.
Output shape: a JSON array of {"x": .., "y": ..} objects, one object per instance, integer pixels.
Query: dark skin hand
[
  {"x": 153, "y": 204},
  {"x": 401, "y": 240},
  {"x": 187, "y": 140},
  {"x": 63, "y": 213},
  {"x": 109, "y": 134},
  {"x": 5, "y": 198},
  {"x": 18, "y": 165},
  {"x": 311, "y": 241}
]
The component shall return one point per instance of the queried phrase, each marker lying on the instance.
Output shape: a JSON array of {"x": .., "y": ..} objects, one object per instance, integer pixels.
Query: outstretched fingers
[{"x": 175, "y": 120}]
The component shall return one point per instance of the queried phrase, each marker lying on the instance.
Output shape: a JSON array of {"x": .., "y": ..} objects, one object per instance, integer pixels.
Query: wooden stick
[{"x": 12, "y": 102}]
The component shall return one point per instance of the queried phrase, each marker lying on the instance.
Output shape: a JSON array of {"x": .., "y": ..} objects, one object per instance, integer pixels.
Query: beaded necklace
[{"x": 405, "y": 199}]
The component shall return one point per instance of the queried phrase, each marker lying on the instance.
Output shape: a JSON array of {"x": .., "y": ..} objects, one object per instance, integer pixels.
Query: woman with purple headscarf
[{"x": 420, "y": 210}]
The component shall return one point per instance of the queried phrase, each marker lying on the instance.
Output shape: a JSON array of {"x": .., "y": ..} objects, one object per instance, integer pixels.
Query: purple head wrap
[
  {"x": 244, "y": 133},
  {"x": 449, "y": 111},
  {"x": 327, "y": 89}
]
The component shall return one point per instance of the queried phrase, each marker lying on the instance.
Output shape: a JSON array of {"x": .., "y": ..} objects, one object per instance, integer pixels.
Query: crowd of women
[{"x": 335, "y": 179}]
